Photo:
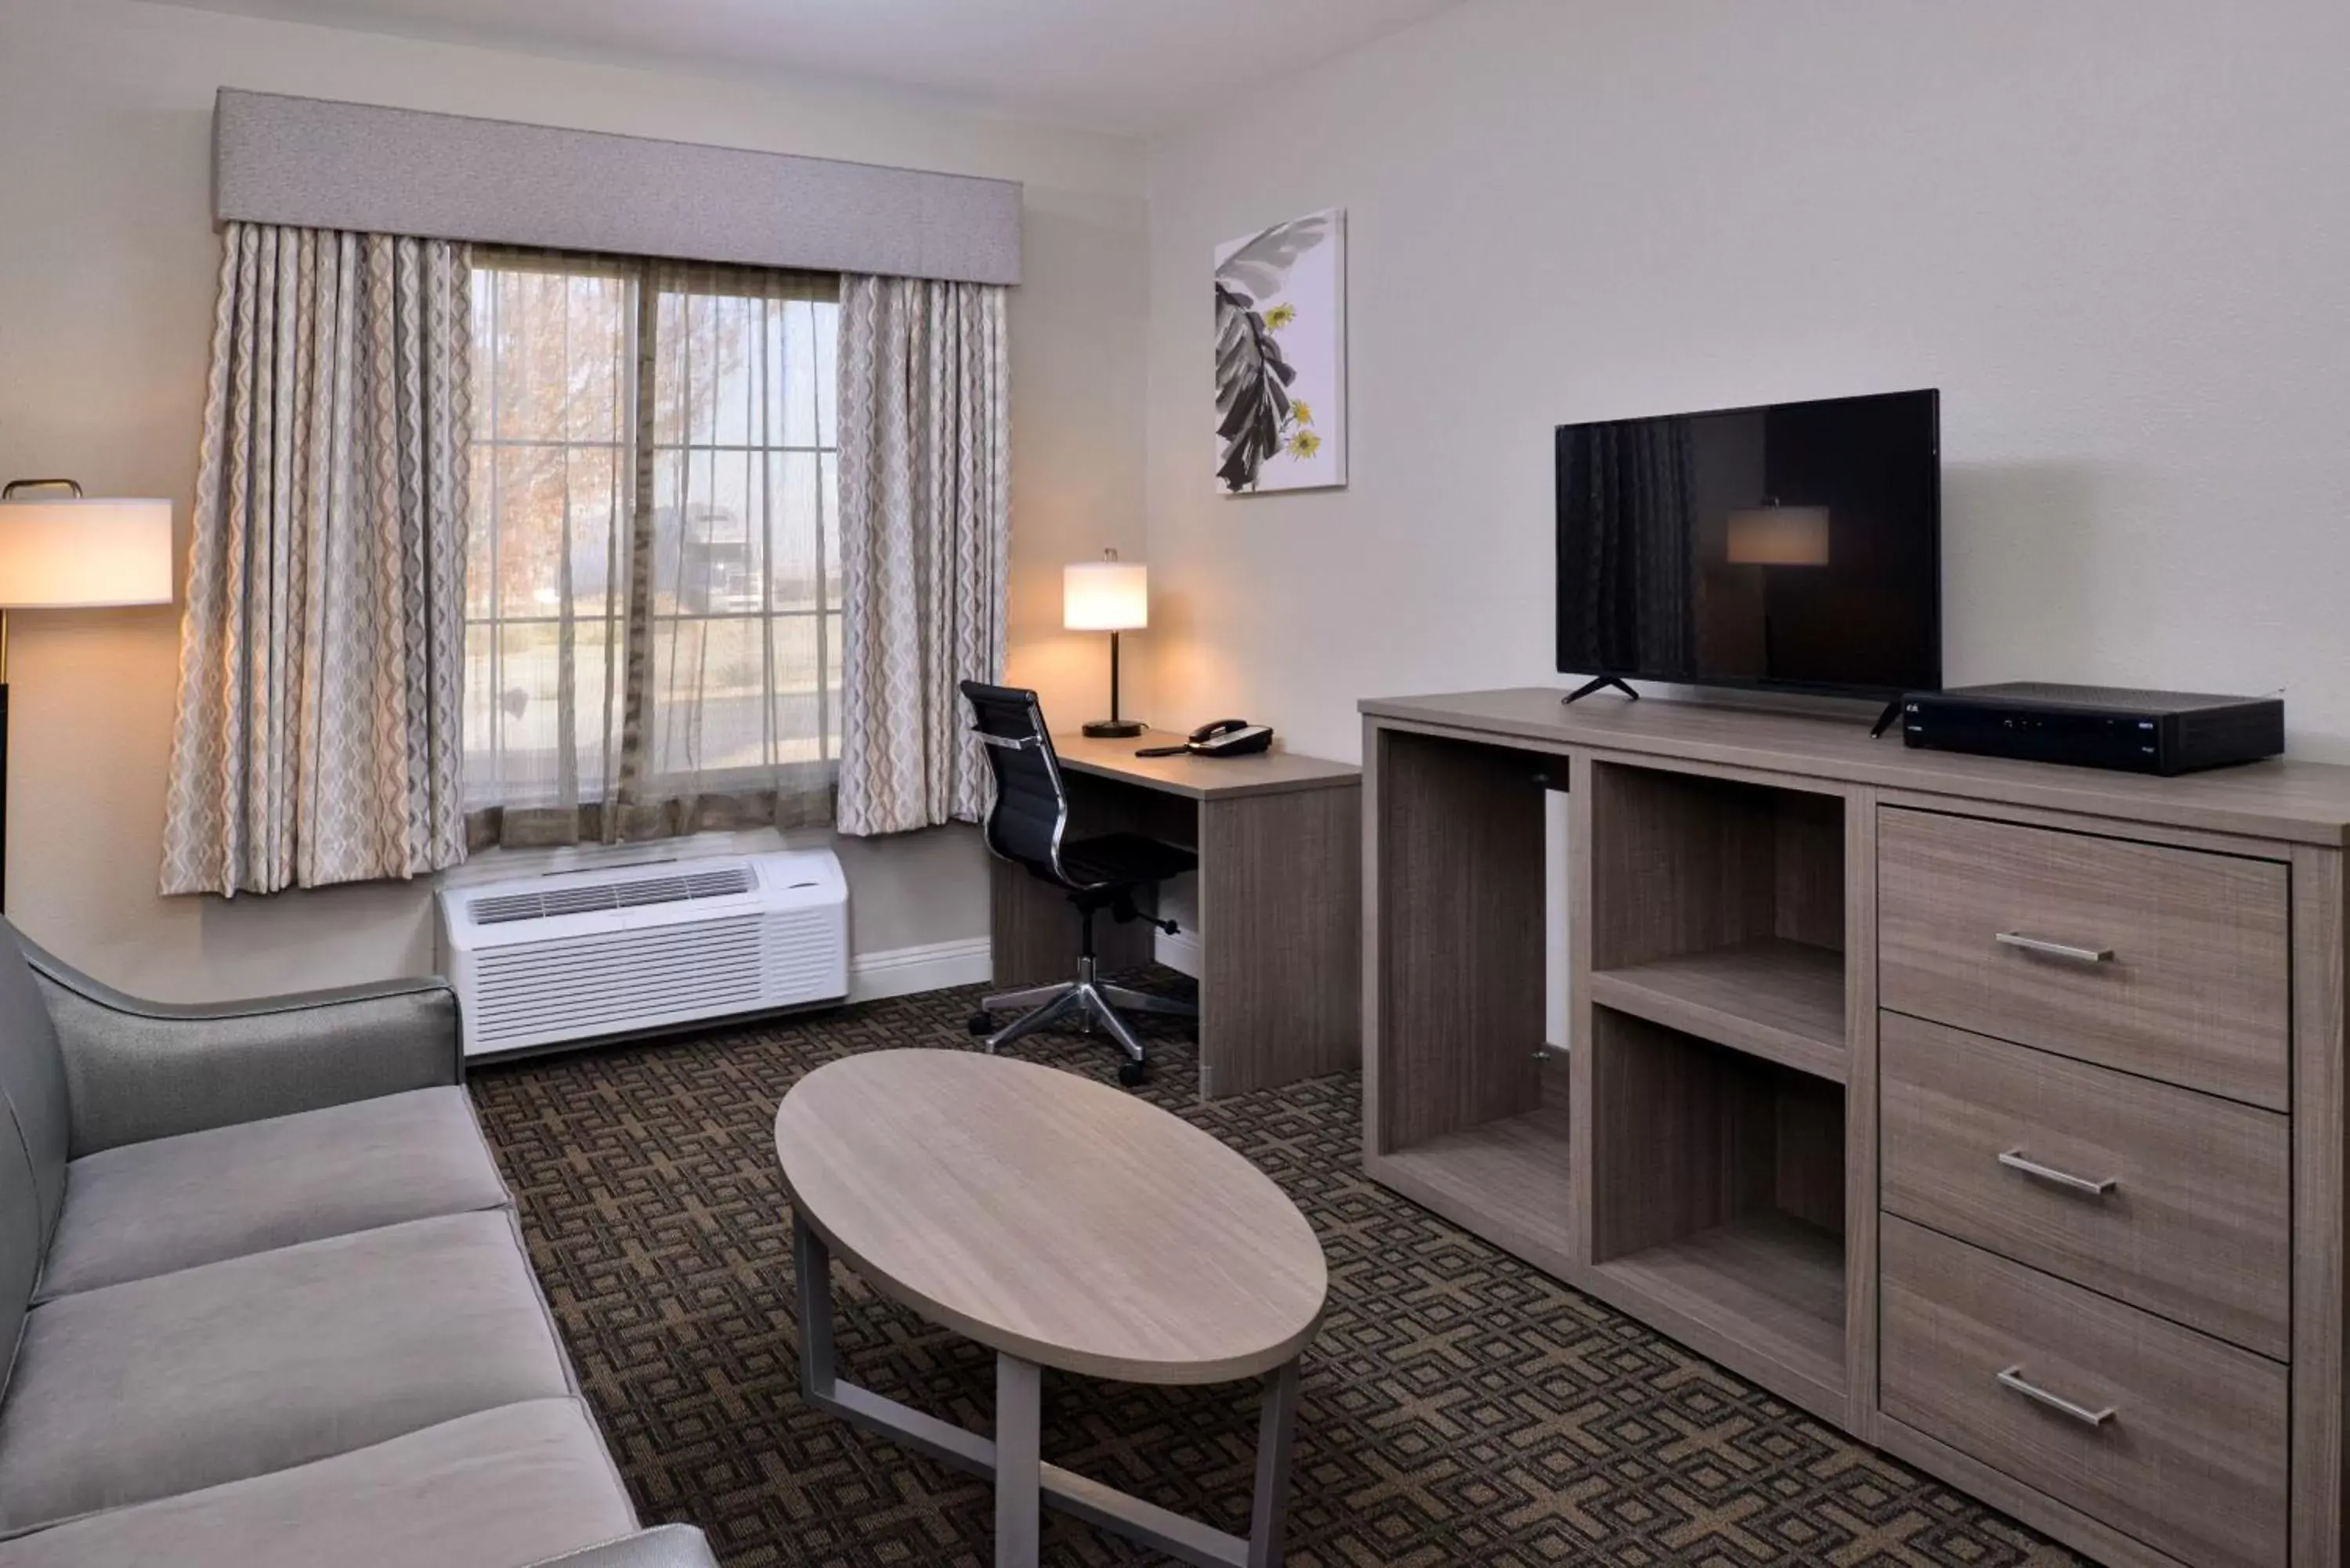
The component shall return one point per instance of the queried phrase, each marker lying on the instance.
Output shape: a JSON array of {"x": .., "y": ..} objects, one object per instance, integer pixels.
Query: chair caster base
[
  {"x": 980, "y": 1024},
  {"x": 1134, "y": 1074}
]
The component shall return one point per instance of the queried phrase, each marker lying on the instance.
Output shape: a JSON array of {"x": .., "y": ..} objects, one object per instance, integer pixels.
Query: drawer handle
[
  {"x": 2013, "y": 1379},
  {"x": 2047, "y": 949},
  {"x": 2013, "y": 1160}
]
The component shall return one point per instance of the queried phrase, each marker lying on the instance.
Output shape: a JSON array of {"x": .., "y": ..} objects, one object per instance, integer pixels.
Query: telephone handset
[{"x": 1224, "y": 738}]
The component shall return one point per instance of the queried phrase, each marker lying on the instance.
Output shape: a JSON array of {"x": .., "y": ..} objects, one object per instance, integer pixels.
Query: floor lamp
[{"x": 60, "y": 549}]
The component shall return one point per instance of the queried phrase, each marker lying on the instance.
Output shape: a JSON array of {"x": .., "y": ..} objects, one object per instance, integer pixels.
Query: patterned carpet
[{"x": 1459, "y": 1407}]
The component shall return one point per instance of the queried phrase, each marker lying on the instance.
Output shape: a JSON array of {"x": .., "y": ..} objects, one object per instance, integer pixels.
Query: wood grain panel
[
  {"x": 1197, "y": 777},
  {"x": 2193, "y": 1460},
  {"x": 1515, "y": 1175},
  {"x": 1052, "y": 1217},
  {"x": 1744, "y": 1137},
  {"x": 1864, "y": 1072},
  {"x": 2100, "y": 1541},
  {"x": 1679, "y": 865},
  {"x": 2195, "y": 991},
  {"x": 2282, "y": 799},
  {"x": 1460, "y": 925},
  {"x": 1778, "y": 1000},
  {"x": 1280, "y": 898},
  {"x": 2319, "y": 1319},
  {"x": 2197, "y": 1227}
]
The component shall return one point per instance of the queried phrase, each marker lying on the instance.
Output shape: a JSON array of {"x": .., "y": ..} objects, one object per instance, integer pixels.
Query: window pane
[
  {"x": 598, "y": 504},
  {"x": 480, "y": 529},
  {"x": 824, "y": 327},
  {"x": 803, "y": 711},
  {"x": 732, "y": 369},
  {"x": 792, "y": 487},
  {"x": 828, "y": 505},
  {"x": 799, "y": 424},
  {"x": 739, "y": 526},
  {"x": 599, "y": 331},
  {"x": 708, "y": 547},
  {"x": 709, "y": 685}
]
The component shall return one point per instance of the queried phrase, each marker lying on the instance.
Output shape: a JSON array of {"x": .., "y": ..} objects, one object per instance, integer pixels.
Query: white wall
[
  {"x": 107, "y": 263},
  {"x": 2115, "y": 233}
]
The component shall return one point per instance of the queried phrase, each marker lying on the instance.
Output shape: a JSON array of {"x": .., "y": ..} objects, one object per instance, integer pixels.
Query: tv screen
[{"x": 1794, "y": 545}]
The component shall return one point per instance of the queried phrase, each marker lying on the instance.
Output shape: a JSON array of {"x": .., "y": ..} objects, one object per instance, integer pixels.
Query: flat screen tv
[{"x": 1795, "y": 546}]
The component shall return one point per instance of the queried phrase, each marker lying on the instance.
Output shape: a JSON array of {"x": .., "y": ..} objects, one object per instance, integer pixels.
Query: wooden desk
[{"x": 1279, "y": 839}]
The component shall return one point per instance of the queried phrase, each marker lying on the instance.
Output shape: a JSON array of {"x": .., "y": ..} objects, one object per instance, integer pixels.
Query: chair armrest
[
  {"x": 663, "y": 1546},
  {"x": 138, "y": 1070}
]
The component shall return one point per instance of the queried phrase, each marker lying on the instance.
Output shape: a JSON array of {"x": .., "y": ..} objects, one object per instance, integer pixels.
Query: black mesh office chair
[{"x": 1027, "y": 827}]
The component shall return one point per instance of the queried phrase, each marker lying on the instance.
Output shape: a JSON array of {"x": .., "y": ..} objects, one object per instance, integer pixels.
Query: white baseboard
[
  {"x": 1179, "y": 953},
  {"x": 902, "y": 972}
]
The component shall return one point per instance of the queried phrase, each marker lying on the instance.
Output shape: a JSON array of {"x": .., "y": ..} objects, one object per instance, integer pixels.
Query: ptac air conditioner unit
[{"x": 582, "y": 955}]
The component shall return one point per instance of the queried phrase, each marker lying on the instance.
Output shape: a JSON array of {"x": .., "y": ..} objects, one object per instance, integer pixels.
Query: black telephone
[{"x": 1224, "y": 738}]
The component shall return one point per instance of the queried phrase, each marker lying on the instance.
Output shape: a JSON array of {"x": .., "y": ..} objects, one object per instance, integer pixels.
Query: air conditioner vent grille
[{"x": 620, "y": 893}]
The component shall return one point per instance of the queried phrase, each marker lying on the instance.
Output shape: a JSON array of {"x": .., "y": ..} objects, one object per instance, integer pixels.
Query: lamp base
[{"x": 1114, "y": 728}]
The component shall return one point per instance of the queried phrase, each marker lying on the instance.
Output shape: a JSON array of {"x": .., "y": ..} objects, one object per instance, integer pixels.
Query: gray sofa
[{"x": 268, "y": 1301}]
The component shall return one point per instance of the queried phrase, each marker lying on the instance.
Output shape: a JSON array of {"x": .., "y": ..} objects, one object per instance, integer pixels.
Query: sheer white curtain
[{"x": 654, "y": 608}]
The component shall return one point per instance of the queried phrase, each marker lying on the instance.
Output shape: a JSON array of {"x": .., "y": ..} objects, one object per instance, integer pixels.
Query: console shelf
[
  {"x": 1782, "y": 959},
  {"x": 1780, "y": 1000},
  {"x": 1767, "y": 1280},
  {"x": 1513, "y": 1173}
]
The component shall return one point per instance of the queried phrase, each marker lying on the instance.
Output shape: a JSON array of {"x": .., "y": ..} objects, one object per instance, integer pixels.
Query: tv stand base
[{"x": 1601, "y": 684}]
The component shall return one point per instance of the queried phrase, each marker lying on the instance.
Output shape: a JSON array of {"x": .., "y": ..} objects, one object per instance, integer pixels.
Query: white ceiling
[{"x": 1126, "y": 66}]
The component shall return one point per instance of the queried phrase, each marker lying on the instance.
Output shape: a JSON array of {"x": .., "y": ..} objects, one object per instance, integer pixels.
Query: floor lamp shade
[
  {"x": 1112, "y": 596},
  {"x": 84, "y": 553},
  {"x": 60, "y": 549}
]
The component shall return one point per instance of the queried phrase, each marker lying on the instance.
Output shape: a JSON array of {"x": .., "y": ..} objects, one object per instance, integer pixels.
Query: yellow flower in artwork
[
  {"x": 1305, "y": 444},
  {"x": 1279, "y": 316},
  {"x": 1302, "y": 411}
]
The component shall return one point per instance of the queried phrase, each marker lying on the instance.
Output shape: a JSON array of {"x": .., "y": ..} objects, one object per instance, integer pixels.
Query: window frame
[{"x": 639, "y": 452}]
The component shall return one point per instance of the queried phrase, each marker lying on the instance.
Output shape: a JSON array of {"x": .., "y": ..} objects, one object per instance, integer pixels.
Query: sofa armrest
[
  {"x": 663, "y": 1546},
  {"x": 138, "y": 1070}
]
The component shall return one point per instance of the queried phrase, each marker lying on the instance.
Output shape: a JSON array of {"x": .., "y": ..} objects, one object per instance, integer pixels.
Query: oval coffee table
[{"x": 1060, "y": 1223}]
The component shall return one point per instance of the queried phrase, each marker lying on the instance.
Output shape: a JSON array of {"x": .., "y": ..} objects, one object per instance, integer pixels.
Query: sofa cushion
[
  {"x": 32, "y": 1077},
  {"x": 158, "y": 1386},
  {"x": 147, "y": 1208},
  {"x": 506, "y": 1487}
]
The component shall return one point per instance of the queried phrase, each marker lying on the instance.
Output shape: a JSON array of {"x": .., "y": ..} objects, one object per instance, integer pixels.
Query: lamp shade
[
  {"x": 61, "y": 552},
  {"x": 1779, "y": 536},
  {"x": 1106, "y": 595}
]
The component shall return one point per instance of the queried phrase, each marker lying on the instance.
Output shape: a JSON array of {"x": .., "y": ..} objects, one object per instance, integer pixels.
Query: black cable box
[{"x": 2096, "y": 726}]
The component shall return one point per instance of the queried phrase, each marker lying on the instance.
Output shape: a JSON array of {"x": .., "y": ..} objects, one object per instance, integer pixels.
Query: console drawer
[
  {"x": 2168, "y": 963},
  {"x": 2171, "y": 1201},
  {"x": 2170, "y": 1436}
]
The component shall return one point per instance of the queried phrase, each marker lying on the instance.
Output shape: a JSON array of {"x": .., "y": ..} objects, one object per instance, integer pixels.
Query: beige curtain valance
[{"x": 314, "y": 163}]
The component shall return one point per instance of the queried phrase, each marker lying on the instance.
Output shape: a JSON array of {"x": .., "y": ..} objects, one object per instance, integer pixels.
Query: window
[{"x": 655, "y": 474}]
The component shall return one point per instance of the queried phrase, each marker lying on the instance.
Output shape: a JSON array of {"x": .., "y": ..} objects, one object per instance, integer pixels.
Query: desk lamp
[
  {"x": 1112, "y": 596},
  {"x": 62, "y": 550}
]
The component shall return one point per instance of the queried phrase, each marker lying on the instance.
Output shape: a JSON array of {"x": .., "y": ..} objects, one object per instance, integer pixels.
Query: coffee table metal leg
[
  {"x": 1275, "y": 1426},
  {"x": 812, "y": 1263},
  {"x": 1019, "y": 1476}
]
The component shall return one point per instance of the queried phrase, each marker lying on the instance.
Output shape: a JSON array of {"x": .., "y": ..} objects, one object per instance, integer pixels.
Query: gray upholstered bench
[{"x": 267, "y": 1300}]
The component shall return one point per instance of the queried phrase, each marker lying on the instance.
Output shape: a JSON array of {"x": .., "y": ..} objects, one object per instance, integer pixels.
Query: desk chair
[{"x": 1026, "y": 827}]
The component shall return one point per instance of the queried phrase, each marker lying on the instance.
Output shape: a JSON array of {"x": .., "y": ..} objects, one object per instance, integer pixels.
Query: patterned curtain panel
[
  {"x": 322, "y": 655},
  {"x": 925, "y": 542}
]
